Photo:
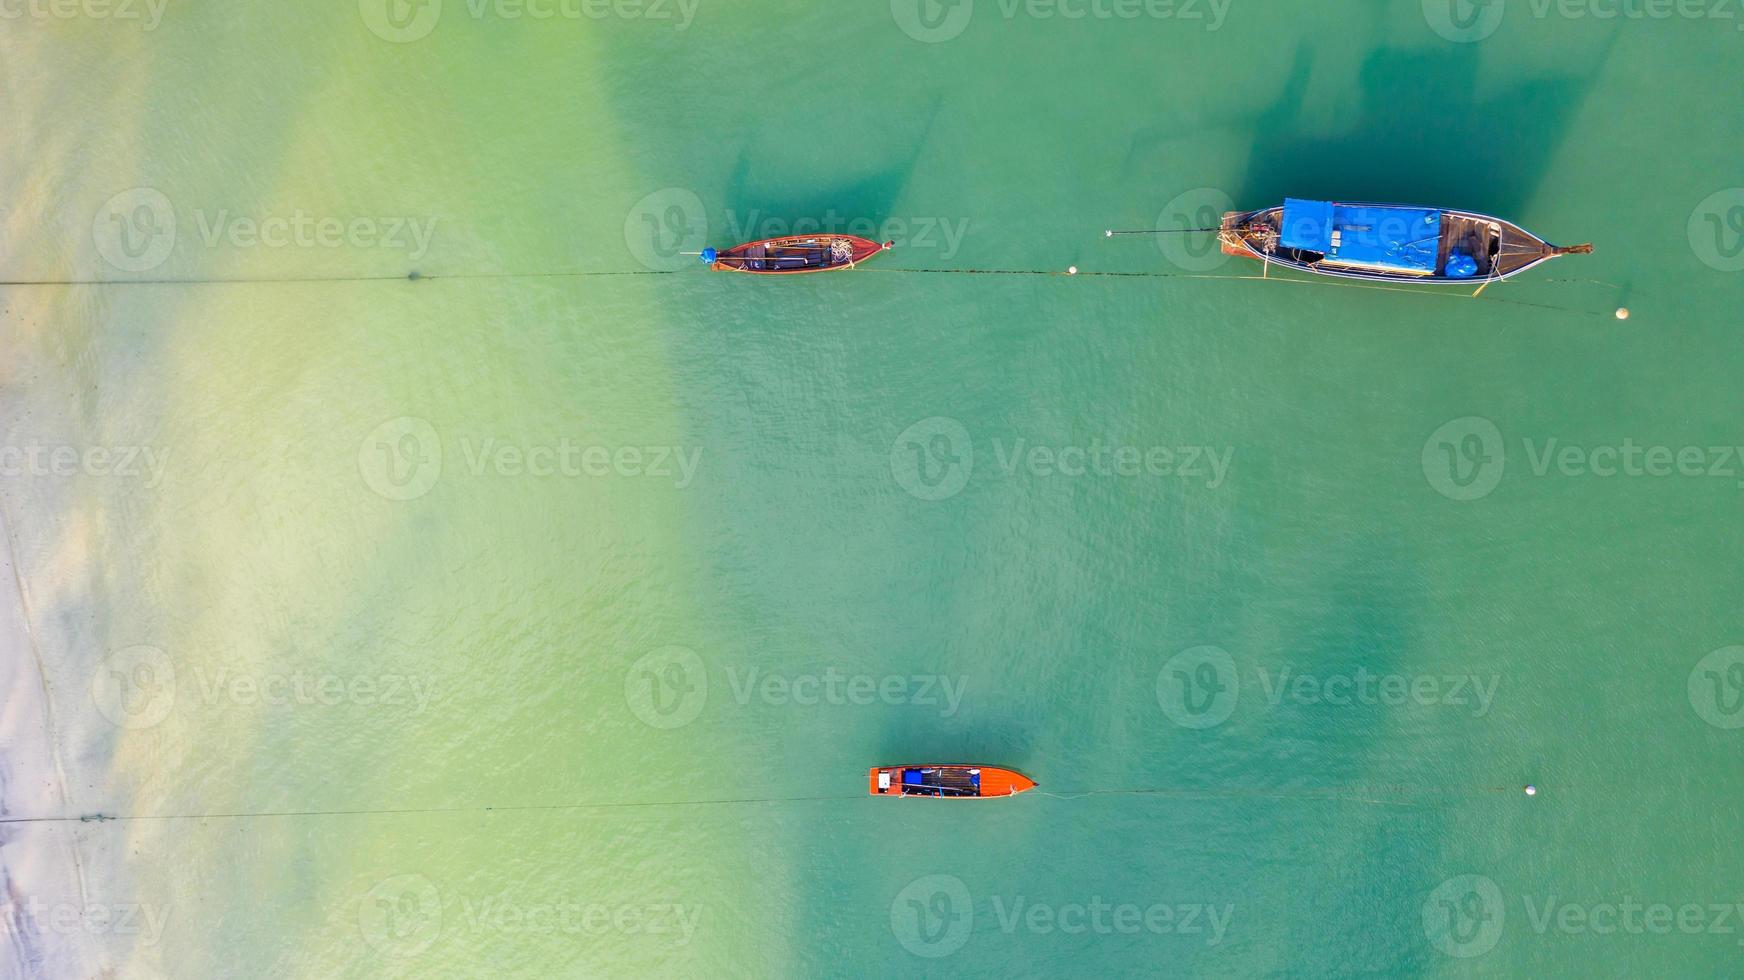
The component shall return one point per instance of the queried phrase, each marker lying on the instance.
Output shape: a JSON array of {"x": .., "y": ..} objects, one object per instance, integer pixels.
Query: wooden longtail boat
[
  {"x": 948, "y": 782},
  {"x": 1387, "y": 242},
  {"x": 795, "y": 254}
]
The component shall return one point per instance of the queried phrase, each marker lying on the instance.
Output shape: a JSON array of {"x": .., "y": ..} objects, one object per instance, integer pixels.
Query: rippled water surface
[{"x": 436, "y": 573}]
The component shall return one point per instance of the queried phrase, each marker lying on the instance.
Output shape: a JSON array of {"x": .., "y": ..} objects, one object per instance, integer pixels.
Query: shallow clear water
[{"x": 358, "y": 596}]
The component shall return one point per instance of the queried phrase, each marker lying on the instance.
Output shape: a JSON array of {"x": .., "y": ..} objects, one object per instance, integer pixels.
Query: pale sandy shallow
[{"x": 53, "y": 914}]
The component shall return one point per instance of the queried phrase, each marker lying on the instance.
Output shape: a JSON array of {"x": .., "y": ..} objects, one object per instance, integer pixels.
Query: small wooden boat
[
  {"x": 795, "y": 254},
  {"x": 1387, "y": 242},
  {"x": 948, "y": 782}
]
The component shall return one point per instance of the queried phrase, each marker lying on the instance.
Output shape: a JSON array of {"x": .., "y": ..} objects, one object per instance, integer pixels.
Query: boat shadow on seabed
[{"x": 1427, "y": 132}]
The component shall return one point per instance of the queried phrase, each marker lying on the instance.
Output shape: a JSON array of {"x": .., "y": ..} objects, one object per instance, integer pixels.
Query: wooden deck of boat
[
  {"x": 1501, "y": 248},
  {"x": 1514, "y": 248}
]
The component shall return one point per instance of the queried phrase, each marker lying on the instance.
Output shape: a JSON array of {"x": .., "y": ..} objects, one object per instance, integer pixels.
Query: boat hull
[
  {"x": 793, "y": 255},
  {"x": 1503, "y": 249},
  {"x": 948, "y": 782}
]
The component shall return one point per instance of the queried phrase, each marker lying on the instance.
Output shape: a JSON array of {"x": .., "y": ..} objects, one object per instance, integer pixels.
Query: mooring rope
[
  {"x": 1369, "y": 795},
  {"x": 1073, "y": 272}
]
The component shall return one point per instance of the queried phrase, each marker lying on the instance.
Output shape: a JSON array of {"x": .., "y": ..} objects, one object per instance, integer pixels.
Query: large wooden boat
[
  {"x": 795, "y": 254},
  {"x": 948, "y": 782},
  {"x": 1387, "y": 242}
]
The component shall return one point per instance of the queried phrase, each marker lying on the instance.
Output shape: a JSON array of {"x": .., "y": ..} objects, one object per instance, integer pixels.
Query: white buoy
[
  {"x": 1622, "y": 313},
  {"x": 1108, "y": 234},
  {"x": 1072, "y": 271},
  {"x": 1531, "y": 790}
]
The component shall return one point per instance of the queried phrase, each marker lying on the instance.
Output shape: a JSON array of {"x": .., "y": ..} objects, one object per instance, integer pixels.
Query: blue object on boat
[
  {"x": 912, "y": 777},
  {"x": 709, "y": 256},
  {"x": 1396, "y": 239},
  {"x": 1307, "y": 225},
  {"x": 1461, "y": 265}
]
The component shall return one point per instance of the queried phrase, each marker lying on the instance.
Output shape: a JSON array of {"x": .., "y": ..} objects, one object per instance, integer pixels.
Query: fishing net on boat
[
  {"x": 1264, "y": 234},
  {"x": 841, "y": 250}
]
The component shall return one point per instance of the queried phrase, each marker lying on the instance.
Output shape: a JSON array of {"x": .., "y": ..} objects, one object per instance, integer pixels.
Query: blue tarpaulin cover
[
  {"x": 1393, "y": 238},
  {"x": 912, "y": 777}
]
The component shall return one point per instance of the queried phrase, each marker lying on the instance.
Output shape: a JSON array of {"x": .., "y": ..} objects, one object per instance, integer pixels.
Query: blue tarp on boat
[{"x": 1391, "y": 238}]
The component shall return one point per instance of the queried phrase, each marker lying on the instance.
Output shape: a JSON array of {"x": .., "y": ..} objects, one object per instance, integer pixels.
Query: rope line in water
[
  {"x": 1351, "y": 795},
  {"x": 295, "y": 280},
  {"x": 418, "y": 277}
]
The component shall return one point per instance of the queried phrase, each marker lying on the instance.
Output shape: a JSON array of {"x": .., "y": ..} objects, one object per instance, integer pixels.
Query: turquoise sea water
[{"x": 511, "y": 622}]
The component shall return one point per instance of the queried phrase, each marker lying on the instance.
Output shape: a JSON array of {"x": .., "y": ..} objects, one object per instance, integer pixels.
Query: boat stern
[{"x": 883, "y": 781}]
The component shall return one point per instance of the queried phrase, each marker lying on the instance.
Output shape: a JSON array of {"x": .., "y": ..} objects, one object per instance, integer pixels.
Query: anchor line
[{"x": 1333, "y": 794}]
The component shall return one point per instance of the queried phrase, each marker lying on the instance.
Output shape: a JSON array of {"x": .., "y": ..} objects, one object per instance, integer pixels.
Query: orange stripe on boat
[{"x": 950, "y": 782}]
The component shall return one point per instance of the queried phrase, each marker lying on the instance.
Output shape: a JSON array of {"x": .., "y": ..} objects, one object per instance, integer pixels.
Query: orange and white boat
[{"x": 948, "y": 782}]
